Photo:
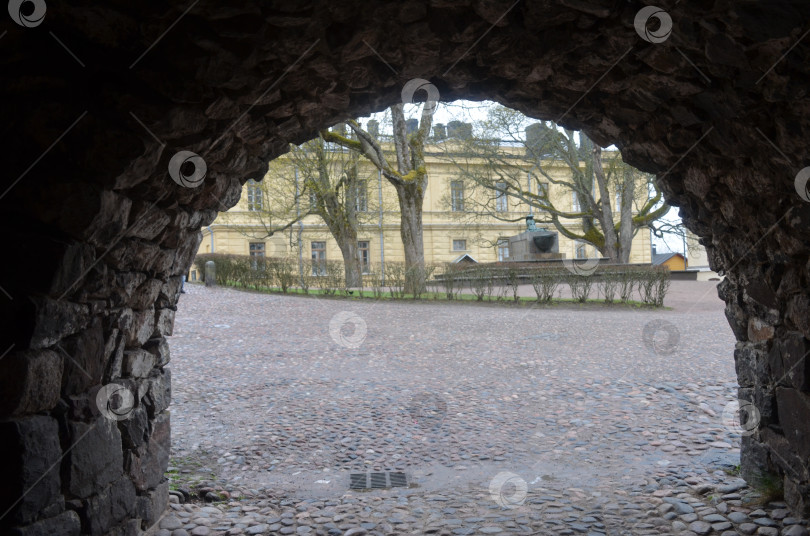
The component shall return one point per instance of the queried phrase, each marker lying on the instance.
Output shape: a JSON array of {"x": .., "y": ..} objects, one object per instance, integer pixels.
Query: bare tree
[
  {"x": 610, "y": 200},
  {"x": 316, "y": 178},
  {"x": 407, "y": 175}
]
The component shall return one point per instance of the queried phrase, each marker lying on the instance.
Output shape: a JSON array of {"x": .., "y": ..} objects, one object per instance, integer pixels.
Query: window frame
[
  {"x": 501, "y": 197},
  {"x": 502, "y": 245},
  {"x": 256, "y": 253},
  {"x": 462, "y": 241},
  {"x": 361, "y": 196},
  {"x": 364, "y": 253},
  {"x": 255, "y": 196},
  {"x": 318, "y": 264},
  {"x": 457, "y": 196}
]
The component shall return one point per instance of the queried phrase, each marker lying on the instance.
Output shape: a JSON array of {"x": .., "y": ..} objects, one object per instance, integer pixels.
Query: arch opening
[{"x": 716, "y": 109}]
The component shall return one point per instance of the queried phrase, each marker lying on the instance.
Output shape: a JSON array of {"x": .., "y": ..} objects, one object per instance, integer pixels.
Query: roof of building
[
  {"x": 465, "y": 257},
  {"x": 661, "y": 258}
]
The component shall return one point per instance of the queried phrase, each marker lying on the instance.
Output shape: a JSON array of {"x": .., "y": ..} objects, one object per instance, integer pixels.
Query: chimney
[
  {"x": 374, "y": 128},
  {"x": 534, "y": 139},
  {"x": 452, "y": 129},
  {"x": 653, "y": 247},
  {"x": 439, "y": 132},
  {"x": 339, "y": 128},
  {"x": 465, "y": 131},
  {"x": 411, "y": 125}
]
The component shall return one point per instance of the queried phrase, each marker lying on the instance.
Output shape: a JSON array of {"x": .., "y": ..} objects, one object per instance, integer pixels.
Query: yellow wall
[
  {"x": 228, "y": 233},
  {"x": 676, "y": 262}
]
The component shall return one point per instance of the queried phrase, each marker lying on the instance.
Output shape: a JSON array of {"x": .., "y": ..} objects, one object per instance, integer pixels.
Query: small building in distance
[{"x": 673, "y": 261}]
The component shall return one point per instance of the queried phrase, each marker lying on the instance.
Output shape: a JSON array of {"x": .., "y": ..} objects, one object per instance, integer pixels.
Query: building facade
[{"x": 453, "y": 225}]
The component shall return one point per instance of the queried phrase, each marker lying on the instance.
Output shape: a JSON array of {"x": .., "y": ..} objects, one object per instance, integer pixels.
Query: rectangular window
[
  {"x": 457, "y": 196},
  {"x": 318, "y": 258},
  {"x": 618, "y": 202},
  {"x": 257, "y": 249},
  {"x": 503, "y": 249},
  {"x": 575, "y": 207},
  {"x": 254, "y": 196},
  {"x": 313, "y": 200},
  {"x": 365, "y": 258},
  {"x": 501, "y": 199},
  {"x": 581, "y": 251},
  {"x": 459, "y": 245},
  {"x": 256, "y": 254},
  {"x": 361, "y": 197}
]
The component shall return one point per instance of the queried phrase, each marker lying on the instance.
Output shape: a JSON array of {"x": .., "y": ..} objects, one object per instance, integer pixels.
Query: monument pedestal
[{"x": 527, "y": 246}]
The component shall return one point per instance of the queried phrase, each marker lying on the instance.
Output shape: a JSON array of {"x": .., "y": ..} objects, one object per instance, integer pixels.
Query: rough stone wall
[{"x": 95, "y": 234}]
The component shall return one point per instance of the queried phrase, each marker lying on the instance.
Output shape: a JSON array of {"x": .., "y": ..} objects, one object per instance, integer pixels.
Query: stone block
[
  {"x": 96, "y": 458},
  {"x": 159, "y": 392},
  {"x": 169, "y": 293},
  {"x": 30, "y": 381},
  {"x": 134, "y": 428},
  {"x": 750, "y": 363},
  {"x": 84, "y": 359},
  {"x": 759, "y": 331},
  {"x": 114, "y": 352},
  {"x": 55, "y": 320},
  {"x": 794, "y": 416},
  {"x": 148, "y": 463},
  {"x": 110, "y": 220},
  {"x": 149, "y": 220},
  {"x": 29, "y": 475},
  {"x": 151, "y": 504},
  {"x": 753, "y": 458},
  {"x": 798, "y": 313},
  {"x": 797, "y": 497},
  {"x": 159, "y": 347},
  {"x": 130, "y": 527},
  {"x": 143, "y": 325},
  {"x": 138, "y": 363},
  {"x": 788, "y": 361},
  {"x": 164, "y": 322},
  {"x": 108, "y": 507},
  {"x": 64, "y": 524},
  {"x": 77, "y": 259},
  {"x": 146, "y": 294}
]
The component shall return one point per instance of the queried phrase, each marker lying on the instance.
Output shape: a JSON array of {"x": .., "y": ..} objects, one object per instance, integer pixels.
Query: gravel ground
[{"x": 529, "y": 420}]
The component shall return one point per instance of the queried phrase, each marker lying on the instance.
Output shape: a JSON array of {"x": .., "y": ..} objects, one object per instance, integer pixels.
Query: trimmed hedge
[{"x": 485, "y": 282}]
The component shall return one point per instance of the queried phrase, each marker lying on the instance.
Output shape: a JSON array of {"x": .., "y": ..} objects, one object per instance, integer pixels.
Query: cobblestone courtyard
[{"x": 527, "y": 420}]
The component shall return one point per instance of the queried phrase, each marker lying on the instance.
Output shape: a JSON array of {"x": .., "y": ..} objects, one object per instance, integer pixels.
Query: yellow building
[{"x": 449, "y": 232}]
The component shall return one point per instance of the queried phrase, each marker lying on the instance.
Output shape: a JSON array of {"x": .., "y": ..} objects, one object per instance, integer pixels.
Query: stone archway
[{"x": 100, "y": 98}]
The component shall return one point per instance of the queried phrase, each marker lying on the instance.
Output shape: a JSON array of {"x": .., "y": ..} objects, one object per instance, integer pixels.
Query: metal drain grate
[{"x": 377, "y": 480}]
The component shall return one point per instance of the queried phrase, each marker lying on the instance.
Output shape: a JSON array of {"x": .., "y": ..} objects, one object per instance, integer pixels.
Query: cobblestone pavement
[{"x": 526, "y": 420}]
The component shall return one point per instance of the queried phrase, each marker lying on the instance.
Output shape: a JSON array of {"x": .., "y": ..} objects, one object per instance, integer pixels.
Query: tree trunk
[
  {"x": 351, "y": 262},
  {"x": 626, "y": 230},
  {"x": 605, "y": 216},
  {"x": 411, "y": 197}
]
